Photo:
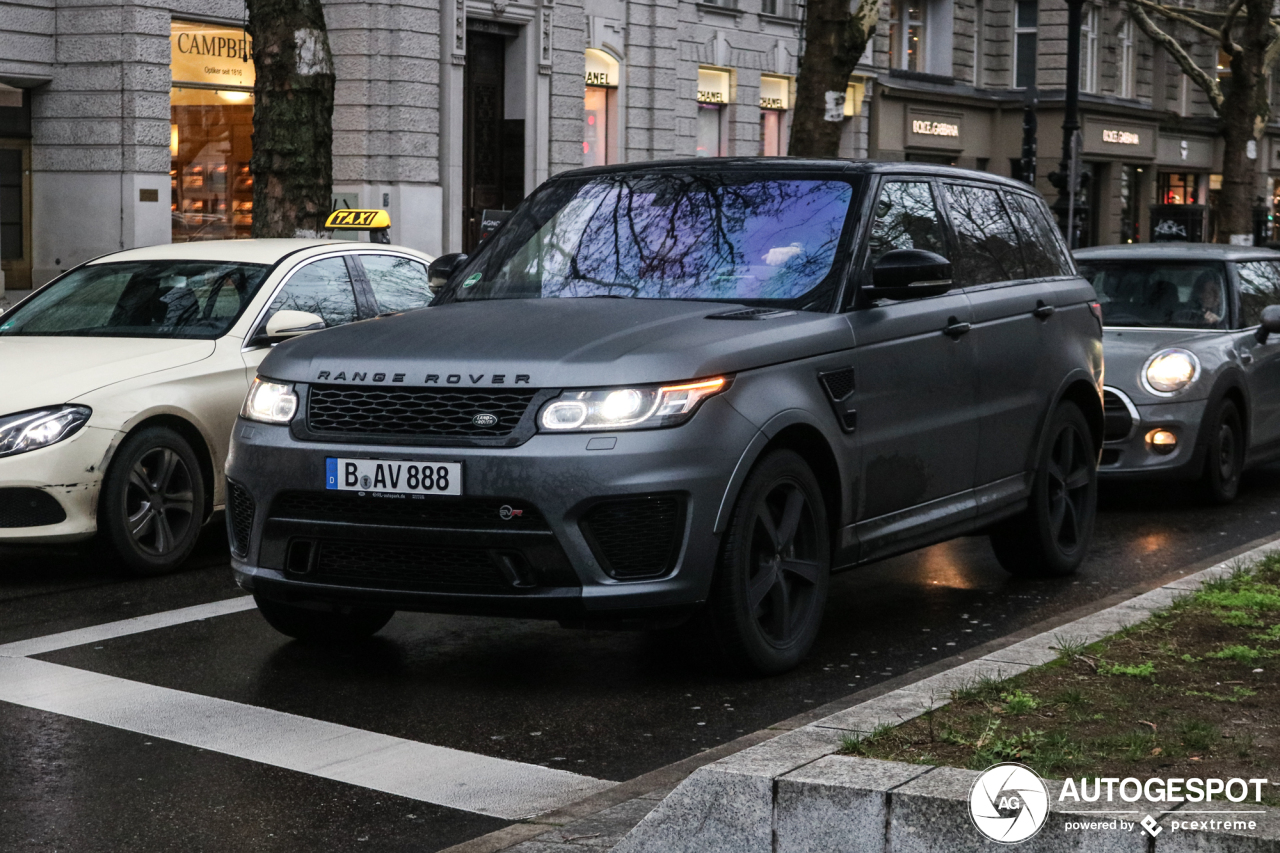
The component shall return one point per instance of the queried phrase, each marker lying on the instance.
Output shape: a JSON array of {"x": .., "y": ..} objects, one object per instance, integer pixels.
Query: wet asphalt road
[{"x": 608, "y": 705}]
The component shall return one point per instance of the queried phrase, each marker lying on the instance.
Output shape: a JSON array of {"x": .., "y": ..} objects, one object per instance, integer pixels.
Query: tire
[
  {"x": 323, "y": 626},
  {"x": 1051, "y": 537},
  {"x": 771, "y": 582},
  {"x": 1224, "y": 453},
  {"x": 153, "y": 501}
]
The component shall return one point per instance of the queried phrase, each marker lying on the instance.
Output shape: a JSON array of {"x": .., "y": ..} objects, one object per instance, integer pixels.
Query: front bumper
[
  {"x": 298, "y": 542},
  {"x": 1132, "y": 457},
  {"x": 69, "y": 472}
]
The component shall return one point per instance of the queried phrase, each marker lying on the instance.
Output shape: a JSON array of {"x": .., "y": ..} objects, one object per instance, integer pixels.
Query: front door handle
[
  {"x": 955, "y": 328},
  {"x": 1246, "y": 358},
  {"x": 1043, "y": 312}
]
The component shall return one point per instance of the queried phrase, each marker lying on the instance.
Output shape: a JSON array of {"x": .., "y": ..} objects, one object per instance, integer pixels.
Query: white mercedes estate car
[{"x": 120, "y": 380}]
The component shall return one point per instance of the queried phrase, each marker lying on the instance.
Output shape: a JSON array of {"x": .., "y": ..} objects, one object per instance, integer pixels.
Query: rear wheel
[
  {"x": 771, "y": 583},
  {"x": 323, "y": 626},
  {"x": 1051, "y": 537},
  {"x": 1224, "y": 454}
]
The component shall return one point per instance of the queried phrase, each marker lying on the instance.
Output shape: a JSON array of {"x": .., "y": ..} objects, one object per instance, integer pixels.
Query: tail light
[{"x": 1096, "y": 309}]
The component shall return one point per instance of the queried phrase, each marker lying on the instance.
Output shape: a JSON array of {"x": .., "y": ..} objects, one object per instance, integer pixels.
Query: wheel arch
[
  {"x": 1080, "y": 390},
  {"x": 1229, "y": 386},
  {"x": 194, "y": 437}
]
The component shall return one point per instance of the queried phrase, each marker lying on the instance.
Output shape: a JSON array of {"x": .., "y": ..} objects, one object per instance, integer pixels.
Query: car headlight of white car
[
  {"x": 1170, "y": 371},
  {"x": 38, "y": 428},
  {"x": 643, "y": 407},
  {"x": 269, "y": 402}
]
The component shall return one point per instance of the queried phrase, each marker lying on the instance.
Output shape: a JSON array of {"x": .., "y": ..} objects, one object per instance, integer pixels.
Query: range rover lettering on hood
[{"x": 429, "y": 379}]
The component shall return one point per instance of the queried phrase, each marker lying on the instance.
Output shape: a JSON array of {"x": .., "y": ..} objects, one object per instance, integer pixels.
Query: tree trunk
[
  {"x": 835, "y": 38},
  {"x": 292, "y": 161},
  {"x": 1245, "y": 110}
]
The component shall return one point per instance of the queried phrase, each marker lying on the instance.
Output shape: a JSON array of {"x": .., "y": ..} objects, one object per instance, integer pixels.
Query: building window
[
  {"x": 1179, "y": 188},
  {"x": 979, "y": 43},
  {"x": 906, "y": 35},
  {"x": 1128, "y": 61},
  {"x": 601, "y": 110},
  {"x": 779, "y": 8},
  {"x": 210, "y": 132},
  {"x": 713, "y": 95},
  {"x": 774, "y": 101},
  {"x": 1025, "y": 24},
  {"x": 1089, "y": 49}
]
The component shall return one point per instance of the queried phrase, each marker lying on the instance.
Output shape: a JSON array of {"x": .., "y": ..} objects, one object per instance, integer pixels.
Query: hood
[
  {"x": 48, "y": 371},
  {"x": 1126, "y": 350},
  {"x": 554, "y": 343}
]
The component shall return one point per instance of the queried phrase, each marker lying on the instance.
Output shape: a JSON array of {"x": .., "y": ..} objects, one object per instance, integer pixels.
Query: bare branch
[
  {"x": 1180, "y": 17},
  {"x": 1229, "y": 46},
  {"x": 1177, "y": 51}
]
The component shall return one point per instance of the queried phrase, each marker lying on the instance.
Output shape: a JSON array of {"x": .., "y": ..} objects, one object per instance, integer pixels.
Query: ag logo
[
  {"x": 484, "y": 419},
  {"x": 1008, "y": 803}
]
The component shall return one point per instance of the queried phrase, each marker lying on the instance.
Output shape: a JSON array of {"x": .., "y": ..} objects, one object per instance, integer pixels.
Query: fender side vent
[
  {"x": 750, "y": 314},
  {"x": 839, "y": 384}
]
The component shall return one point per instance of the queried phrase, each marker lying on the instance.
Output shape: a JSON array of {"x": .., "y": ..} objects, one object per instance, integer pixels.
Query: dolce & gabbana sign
[
  {"x": 1105, "y": 135},
  {"x": 934, "y": 129}
]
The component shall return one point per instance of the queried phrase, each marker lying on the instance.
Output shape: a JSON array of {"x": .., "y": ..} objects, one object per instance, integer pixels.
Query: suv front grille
[
  {"x": 416, "y": 412},
  {"x": 240, "y": 510},
  {"x": 1117, "y": 422},
  {"x": 636, "y": 537},
  {"x": 433, "y": 512}
]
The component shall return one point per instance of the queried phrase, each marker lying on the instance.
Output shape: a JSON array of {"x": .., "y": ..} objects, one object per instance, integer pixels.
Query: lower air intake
[{"x": 637, "y": 537}]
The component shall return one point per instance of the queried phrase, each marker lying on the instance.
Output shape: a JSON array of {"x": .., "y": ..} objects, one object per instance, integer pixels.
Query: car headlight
[
  {"x": 1170, "y": 371},
  {"x": 38, "y": 428},
  {"x": 642, "y": 407},
  {"x": 269, "y": 402}
]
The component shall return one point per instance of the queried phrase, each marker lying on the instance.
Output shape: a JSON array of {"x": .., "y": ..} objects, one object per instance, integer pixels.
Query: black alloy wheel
[
  {"x": 1224, "y": 453},
  {"x": 1051, "y": 537},
  {"x": 153, "y": 501},
  {"x": 771, "y": 583}
]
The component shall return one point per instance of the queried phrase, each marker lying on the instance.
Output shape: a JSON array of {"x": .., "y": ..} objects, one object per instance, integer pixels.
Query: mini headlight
[
  {"x": 269, "y": 403},
  {"x": 40, "y": 427},
  {"x": 1170, "y": 371},
  {"x": 645, "y": 407}
]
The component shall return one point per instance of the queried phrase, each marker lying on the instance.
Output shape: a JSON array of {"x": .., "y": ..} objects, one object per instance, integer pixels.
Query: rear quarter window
[
  {"x": 1043, "y": 249},
  {"x": 987, "y": 249}
]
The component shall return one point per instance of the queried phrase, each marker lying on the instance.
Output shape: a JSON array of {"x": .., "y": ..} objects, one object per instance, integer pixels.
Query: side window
[
  {"x": 323, "y": 288},
  {"x": 399, "y": 284},
  {"x": 906, "y": 218},
  {"x": 1043, "y": 252},
  {"x": 1259, "y": 287},
  {"x": 987, "y": 249}
]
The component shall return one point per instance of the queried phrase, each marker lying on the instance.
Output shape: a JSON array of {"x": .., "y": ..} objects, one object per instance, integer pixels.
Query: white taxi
[{"x": 120, "y": 380}]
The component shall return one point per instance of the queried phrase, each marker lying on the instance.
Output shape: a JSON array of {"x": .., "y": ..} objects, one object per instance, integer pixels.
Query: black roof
[
  {"x": 797, "y": 164},
  {"x": 1175, "y": 252}
]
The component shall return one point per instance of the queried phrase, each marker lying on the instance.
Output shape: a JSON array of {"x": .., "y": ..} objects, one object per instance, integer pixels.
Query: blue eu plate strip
[{"x": 331, "y": 473}]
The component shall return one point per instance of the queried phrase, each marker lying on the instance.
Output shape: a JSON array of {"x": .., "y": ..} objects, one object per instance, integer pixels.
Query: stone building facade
[{"x": 446, "y": 109}]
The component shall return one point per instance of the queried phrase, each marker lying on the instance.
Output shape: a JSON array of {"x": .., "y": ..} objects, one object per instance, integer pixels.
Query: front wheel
[
  {"x": 1051, "y": 537},
  {"x": 323, "y": 626},
  {"x": 1224, "y": 454},
  {"x": 771, "y": 582}
]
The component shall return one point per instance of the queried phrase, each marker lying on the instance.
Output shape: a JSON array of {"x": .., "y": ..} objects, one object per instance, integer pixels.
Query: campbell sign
[{"x": 208, "y": 54}]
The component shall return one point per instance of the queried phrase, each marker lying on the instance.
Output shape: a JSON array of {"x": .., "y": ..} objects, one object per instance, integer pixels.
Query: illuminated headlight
[
  {"x": 1170, "y": 371},
  {"x": 39, "y": 428},
  {"x": 644, "y": 407},
  {"x": 270, "y": 403}
]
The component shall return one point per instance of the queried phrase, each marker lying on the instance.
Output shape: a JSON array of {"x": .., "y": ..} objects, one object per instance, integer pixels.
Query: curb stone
[{"x": 793, "y": 794}]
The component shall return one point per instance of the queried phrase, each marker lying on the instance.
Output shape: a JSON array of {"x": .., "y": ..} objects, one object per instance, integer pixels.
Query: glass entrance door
[{"x": 15, "y": 213}]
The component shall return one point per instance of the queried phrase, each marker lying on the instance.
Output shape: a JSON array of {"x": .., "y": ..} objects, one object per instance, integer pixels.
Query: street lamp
[{"x": 1067, "y": 178}]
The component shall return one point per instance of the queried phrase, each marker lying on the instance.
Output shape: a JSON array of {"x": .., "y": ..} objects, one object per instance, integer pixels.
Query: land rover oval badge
[{"x": 484, "y": 419}]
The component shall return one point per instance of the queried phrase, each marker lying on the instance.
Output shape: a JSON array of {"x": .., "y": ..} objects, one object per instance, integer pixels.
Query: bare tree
[
  {"x": 836, "y": 33},
  {"x": 292, "y": 161},
  {"x": 1248, "y": 34}
]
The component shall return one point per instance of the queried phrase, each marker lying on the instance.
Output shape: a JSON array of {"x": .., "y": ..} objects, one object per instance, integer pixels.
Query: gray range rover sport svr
[{"x": 683, "y": 390}]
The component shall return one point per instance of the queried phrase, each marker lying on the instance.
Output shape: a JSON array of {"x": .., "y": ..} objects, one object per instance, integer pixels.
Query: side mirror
[
  {"x": 1270, "y": 324},
  {"x": 290, "y": 324},
  {"x": 909, "y": 274},
  {"x": 442, "y": 268}
]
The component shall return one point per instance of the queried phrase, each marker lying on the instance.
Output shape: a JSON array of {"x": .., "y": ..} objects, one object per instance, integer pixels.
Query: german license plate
[{"x": 393, "y": 477}]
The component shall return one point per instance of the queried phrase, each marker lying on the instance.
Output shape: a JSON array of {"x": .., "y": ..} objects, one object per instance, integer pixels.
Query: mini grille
[
  {"x": 240, "y": 509},
  {"x": 415, "y": 411},
  {"x": 29, "y": 508},
  {"x": 839, "y": 384},
  {"x": 447, "y": 513},
  {"x": 636, "y": 538},
  {"x": 388, "y": 565},
  {"x": 1117, "y": 422},
  {"x": 750, "y": 314}
]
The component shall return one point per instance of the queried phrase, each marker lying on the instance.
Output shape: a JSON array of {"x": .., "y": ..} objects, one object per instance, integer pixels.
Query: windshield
[
  {"x": 666, "y": 236},
  {"x": 140, "y": 299},
  {"x": 1149, "y": 293}
]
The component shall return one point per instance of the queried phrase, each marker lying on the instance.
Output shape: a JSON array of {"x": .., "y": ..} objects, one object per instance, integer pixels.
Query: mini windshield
[
  {"x": 666, "y": 236},
  {"x": 140, "y": 299},
  {"x": 1148, "y": 293}
]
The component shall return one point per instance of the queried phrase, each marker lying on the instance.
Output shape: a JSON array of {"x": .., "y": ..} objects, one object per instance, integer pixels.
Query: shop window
[
  {"x": 601, "y": 110},
  {"x": 773, "y": 110},
  {"x": 854, "y": 94},
  {"x": 1025, "y": 31},
  {"x": 1089, "y": 49},
  {"x": 210, "y": 132},
  {"x": 1179, "y": 188},
  {"x": 907, "y": 35},
  {"x": 713, "y": 96}
]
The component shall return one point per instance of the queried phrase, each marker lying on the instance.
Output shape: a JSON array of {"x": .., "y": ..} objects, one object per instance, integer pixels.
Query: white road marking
[
  {"x": 419, "y": 771},
  {"x": 112, "y": 630}
]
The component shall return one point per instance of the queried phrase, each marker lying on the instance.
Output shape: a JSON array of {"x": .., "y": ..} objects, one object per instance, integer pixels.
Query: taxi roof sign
[{"x": 358, "y": 220}]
